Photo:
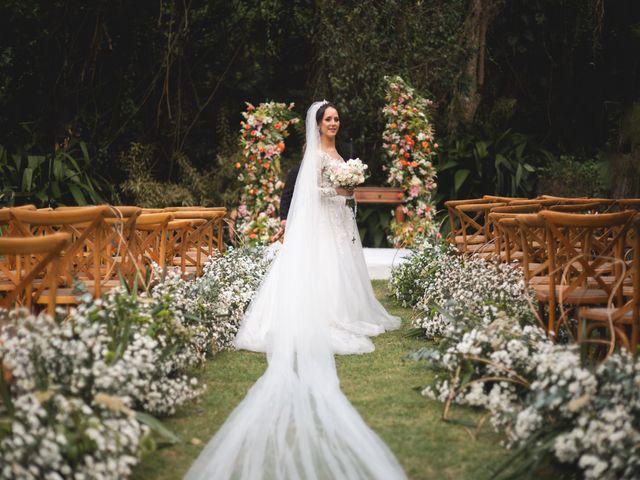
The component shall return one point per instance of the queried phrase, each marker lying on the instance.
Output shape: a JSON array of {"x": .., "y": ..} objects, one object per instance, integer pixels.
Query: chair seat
[
  {"x": 579, "y": 296},
  {"x": 478, "y": 248},
  {"x": 470, "y": 239},
  {"x": 517, "y": 255},
  {"x": 602, "y": 314}
]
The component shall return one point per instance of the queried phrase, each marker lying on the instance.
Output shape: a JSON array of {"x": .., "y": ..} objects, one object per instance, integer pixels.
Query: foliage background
[{"x": 560, "y": 77}]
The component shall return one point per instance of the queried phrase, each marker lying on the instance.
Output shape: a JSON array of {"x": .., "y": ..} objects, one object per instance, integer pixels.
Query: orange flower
[
  {"x": 253, "y": 236},
  {"x": 278, "y": 125},
  {"x": 414, "y": 164},
  {"x": 407, "y": 155},
  {"x": 266, "y": 165},
  {"x": 238, "y": 165},
  {"x": 254, "y": 133},
  {"x": 247, "y": 126},
  {"x": 393, "y": 125},
  {"x": 280, "y": 147},
  {"x": 425, "y": 144},
  {"x": 394, "y": 147}
]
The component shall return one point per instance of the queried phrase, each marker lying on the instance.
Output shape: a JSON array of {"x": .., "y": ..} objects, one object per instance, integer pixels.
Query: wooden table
[{"x": 384, "y": 196}]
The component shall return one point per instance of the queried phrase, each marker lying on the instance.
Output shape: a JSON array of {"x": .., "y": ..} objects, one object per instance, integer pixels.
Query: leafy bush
[
  {"x": 570, "y": 176},
  {"x": 475, "y": 164},
  {"x": 146, "y": 191},
  {"x": 64, "y": 177}
]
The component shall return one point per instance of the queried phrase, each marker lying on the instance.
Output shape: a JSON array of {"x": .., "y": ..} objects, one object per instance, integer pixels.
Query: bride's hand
[{"x": 344, "y": 192}]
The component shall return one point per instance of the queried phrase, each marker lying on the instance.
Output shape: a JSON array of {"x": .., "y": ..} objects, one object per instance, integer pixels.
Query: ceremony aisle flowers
[
  {"x": 410, "y": 145},
  {"x": 262, "y": 136},
  {"x": 79, "y": 395},
  {"x": 489, "y": 351}
]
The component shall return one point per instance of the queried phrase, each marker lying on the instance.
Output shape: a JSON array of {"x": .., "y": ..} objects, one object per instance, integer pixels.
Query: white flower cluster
[
  {"x": 437, "y": 277},
  {"x": 71, "y": 388},
  {"x": 347, "y": 174},
  {"x": 490, "y": 353},
  {"x": 593, "y": 415},
  {"x": 221, "y": 296}
]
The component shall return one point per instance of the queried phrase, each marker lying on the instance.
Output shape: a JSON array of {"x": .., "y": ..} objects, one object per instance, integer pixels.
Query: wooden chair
[
  {"x": 475, "y": 229},
  {"x": 200, "y": 240},
  {"x": 84, "y": 258},
  {"x": 150, "y": 240},
  {"x": 30, "y": 266},
  {"x": 507, "y": 244},
  {"x": 582, "y": 250},
  {"x": 619, "y": 317},
  {"x": 212, "y": 231}
]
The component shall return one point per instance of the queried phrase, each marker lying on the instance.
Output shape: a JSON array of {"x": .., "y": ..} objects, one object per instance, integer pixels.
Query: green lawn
[{"x": 381, "y": 385}]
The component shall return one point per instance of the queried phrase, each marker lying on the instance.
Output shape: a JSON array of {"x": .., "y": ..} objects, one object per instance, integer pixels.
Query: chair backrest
[
  {"x": 23, "y": 261},
  {"x": 150, "y": 239},
  {"x": 532, "y": 233},
  {"x": 85, "y": 254},
  {"x": 507, "y": 241},
  {"x": 576, "y": 207},
  {"x": 587, "y": 250},
  {"x": 500, "y": 199},
  {"x": 628, "y": 203},
  {"x": 474, "y": 225}
]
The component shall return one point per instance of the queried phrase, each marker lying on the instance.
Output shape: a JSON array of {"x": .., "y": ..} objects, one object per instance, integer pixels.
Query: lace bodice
[{"x": 326, "y": 190}]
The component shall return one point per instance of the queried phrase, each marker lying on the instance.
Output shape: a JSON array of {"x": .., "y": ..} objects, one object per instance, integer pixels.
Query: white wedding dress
[{"x": 316, "y": 300}]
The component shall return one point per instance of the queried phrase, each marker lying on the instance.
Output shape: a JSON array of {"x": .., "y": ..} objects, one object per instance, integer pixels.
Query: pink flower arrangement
[
  {"x": 262, "y": 135},
  {"x": 408, "y": 140}
]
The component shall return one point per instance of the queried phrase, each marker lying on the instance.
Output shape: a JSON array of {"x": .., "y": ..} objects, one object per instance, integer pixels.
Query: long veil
[{"x": 294, "y": 422}]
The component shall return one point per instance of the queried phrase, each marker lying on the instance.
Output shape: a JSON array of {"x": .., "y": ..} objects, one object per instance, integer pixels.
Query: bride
[{"x": 315, "y": 300}]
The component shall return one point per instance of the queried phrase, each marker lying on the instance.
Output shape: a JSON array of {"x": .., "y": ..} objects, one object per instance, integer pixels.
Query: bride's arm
[{"x": 325, "y": 190}]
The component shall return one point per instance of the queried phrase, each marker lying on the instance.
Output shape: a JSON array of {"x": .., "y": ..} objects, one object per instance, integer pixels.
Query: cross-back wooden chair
[
  {"x": 620, "y": 317},
  {"x": 83, "y": 257},
  {"x": 475, "y": 230},
  {"x": 507, "y": 244},
  {"x": 116, "y": 258},
  {"x": 213, "y": 231},
  {"x": 150, "y": 239},
  {"x": 200, "y": 239},
  {"x": 29, "y": 266},
  {"x": 582, "y": 253},
  {"x": 180, "y": 241},
  {"x": 455, "y": 232}
]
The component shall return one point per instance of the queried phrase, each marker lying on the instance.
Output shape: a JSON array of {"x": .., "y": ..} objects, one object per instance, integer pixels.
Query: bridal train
[{"x": 316, "y": 300}]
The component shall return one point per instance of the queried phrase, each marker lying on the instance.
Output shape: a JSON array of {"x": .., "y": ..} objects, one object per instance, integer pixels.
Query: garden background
[{"x": 141, "y": 102}]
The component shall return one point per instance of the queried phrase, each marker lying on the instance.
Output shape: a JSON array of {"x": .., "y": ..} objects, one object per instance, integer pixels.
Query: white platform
[{"x": 380, "y": 260}]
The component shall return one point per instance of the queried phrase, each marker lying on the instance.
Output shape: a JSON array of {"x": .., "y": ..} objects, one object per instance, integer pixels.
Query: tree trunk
[{"x": 468, "y": 89}]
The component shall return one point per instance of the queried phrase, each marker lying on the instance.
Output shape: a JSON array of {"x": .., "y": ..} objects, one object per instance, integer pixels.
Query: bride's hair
[{"x": 322, "y": 109}]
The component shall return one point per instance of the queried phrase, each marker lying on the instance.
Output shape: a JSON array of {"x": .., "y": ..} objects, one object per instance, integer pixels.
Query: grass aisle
[{"x": 380, "y": 385}]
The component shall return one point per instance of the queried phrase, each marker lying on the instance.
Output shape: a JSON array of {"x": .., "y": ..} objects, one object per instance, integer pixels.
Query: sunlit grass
[{"x": 381, "y": 385}]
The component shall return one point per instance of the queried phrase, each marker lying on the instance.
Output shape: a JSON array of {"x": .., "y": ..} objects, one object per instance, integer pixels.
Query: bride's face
[{"x": 330, "y": 122}]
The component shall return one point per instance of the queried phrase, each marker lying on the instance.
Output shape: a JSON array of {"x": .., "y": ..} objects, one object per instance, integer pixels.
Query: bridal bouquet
[{"x": 346, "y": 174}]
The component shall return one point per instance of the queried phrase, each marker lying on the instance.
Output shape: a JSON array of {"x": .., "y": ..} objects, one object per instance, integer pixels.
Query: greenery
[
  {"x": 381, "y": 385},
  {"x": 474, "y": 165},
  {"x": 175, "y": 75},
  {"x": 568, "y": 176},
  {"x": 56, "y": 178}
]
